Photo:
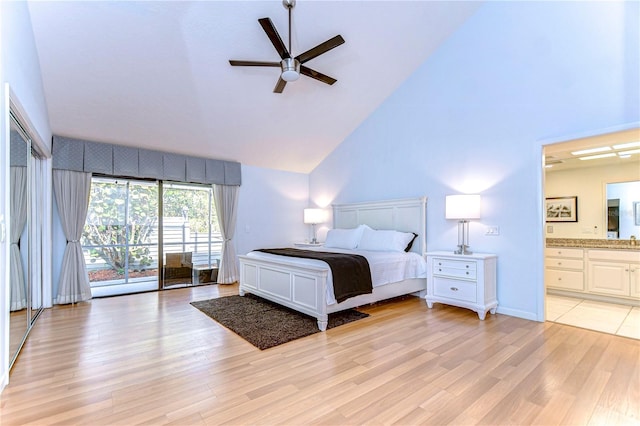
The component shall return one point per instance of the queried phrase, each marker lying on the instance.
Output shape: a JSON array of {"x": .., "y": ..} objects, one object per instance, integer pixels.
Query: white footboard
[{"x": 300, "y": 288}]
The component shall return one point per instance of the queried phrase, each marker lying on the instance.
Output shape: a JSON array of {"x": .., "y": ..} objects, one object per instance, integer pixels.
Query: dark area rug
[{"x": 265, "y": 324}]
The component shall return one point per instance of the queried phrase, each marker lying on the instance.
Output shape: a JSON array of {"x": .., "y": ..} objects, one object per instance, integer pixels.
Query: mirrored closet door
[{"x": 25, "y": 253}]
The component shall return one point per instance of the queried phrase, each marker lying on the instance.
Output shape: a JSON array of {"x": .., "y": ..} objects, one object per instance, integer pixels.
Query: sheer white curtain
[
  {"x": 72, "y": 196},
  {"x": 226, "y": 199},
  {"x": 19, "y": 199}
]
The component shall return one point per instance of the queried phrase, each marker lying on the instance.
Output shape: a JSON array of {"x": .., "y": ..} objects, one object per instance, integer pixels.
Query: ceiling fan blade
[
  {"x": 320, "y": 49},
  {"x": 273, "y": 35},
  {"x": 253, "y": 63},
  {"x": 279, "y": 86},
  {"x": 317, "y": 75}
]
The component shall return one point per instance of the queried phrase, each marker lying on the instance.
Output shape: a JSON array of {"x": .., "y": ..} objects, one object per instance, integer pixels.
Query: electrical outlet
[{"x": 492, "y": 230}]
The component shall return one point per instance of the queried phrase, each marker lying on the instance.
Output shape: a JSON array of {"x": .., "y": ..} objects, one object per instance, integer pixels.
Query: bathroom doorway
[{"x": 582, "y": 168}]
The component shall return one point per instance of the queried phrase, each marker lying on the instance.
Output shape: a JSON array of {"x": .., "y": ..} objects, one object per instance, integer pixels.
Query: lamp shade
[
  {"x": 462, "y": 206},
  {"x": 313, "y": 216}
]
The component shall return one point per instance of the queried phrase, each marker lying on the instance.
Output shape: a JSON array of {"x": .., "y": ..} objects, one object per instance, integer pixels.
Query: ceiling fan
[{"x": 291, "y": 66}]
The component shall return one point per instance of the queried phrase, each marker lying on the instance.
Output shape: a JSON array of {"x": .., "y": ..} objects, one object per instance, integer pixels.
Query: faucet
[{"x": 632, "y": 240}]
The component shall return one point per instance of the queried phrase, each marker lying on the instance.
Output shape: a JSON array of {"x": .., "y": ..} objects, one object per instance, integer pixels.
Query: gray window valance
[{"x": 117, "y": 160}]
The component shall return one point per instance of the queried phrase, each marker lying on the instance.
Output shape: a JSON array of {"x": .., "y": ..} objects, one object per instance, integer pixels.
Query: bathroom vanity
[{"x": 596, "y": 269}]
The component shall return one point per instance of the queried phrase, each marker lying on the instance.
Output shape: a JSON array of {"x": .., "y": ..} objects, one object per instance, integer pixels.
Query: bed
[{"x": 305, "y": 285}]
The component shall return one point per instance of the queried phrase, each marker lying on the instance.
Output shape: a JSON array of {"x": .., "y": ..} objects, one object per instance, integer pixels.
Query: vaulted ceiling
[{"x": 155, "y": 74}]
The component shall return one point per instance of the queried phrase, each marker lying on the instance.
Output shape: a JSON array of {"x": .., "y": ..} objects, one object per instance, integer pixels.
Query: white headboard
[{"x": 406, "y": 215}]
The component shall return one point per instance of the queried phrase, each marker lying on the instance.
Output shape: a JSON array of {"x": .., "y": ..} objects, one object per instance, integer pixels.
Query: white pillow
[
  {"x": 344, "y": 238},
  {"x": 383, "y": 240}
]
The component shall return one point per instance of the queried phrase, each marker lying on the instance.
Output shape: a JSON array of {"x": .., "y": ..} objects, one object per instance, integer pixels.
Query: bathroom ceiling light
[
  {"x": 591, "y": 150},
  {"x": 628, "y": 153},
  {"x": 593, "y": 157},
  {"x": 626, "y": 145}
]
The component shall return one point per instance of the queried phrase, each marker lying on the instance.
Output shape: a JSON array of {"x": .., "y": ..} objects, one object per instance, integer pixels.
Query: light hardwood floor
[{"x": 152, "y": 358}]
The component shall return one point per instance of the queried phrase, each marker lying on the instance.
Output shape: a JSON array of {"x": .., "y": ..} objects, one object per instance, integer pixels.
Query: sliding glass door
[
  {"x": 149, "y": 235},
  {"x": 190, "y": 235},
  {"x": 120, "y": 239}
]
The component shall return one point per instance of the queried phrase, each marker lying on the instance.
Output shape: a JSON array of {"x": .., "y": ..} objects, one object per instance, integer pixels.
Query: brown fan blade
[
  {"x": 279, "y": 86},
  {"x": 253, "y": 63},
  {"x": 317, "y": 75},
  {"x": 273, "y": 35},
  {"x": 320, "y": 49}
]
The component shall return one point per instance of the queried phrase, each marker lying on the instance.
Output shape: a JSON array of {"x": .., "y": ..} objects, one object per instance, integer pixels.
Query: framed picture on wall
[
  {"x": 636, "y": 212},
  {"x": 562, "y": 209}
]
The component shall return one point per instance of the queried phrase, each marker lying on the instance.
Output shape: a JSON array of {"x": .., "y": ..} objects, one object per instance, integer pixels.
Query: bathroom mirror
[{"x": 622, "y": 209}]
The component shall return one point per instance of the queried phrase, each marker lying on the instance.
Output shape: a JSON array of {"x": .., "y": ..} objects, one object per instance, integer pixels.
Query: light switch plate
[{"x": 492, "y": 230}]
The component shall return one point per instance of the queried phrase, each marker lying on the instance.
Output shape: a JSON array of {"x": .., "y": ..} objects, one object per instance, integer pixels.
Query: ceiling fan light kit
[{"x": 291, "y": 67}]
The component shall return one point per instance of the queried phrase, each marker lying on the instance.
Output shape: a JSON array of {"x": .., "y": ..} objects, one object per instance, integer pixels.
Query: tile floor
[{"x": 605, "y": 317}]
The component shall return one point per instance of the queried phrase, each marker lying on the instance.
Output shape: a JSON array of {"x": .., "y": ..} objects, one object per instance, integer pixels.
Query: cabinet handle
[
  {"x": 559, "y": 263},
  {"x": 559, "y": 279},
  {"x": 454, "y": 288},
  {"x": 466, "y": 266},
  {"x": 467, "y": 272}
]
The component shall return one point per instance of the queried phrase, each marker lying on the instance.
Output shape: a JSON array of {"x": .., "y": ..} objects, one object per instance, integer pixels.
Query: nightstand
[
  {"x": 307, "y": 245},
  {"x": 464, "y": 280}
]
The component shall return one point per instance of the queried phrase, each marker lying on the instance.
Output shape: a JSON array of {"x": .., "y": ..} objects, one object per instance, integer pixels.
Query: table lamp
[
  {"x": 463, "y": 208},
  {"x": 313, "y": 217}
]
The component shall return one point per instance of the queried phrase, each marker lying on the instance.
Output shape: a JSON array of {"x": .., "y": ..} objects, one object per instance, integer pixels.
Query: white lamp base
[{"x": 463, "y": 249}]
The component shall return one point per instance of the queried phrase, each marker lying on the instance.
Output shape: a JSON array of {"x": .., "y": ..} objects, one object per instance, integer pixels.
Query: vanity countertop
[{"x": 593, "y": 243}]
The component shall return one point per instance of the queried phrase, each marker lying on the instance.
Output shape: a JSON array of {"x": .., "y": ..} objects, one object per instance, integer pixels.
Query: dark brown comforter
[{"x": 351, "y": 272}]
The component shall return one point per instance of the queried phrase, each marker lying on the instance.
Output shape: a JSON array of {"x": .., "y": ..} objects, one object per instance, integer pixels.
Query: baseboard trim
[
  {"x": 518, "y": 313},
  {"x": 4, "y": 381},
  {"x": 595, "y": 297}
]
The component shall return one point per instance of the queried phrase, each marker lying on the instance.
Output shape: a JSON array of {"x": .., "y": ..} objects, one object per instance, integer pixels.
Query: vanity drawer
[
  {"x": 564, "y": 252},
  {"x": 569, "y": 280},
  {"x": 454, "y": 289},
  {"x": 454, "y": 268},
  {"x": 615, "y": 255},
  {"x": 564, "y": 263}
]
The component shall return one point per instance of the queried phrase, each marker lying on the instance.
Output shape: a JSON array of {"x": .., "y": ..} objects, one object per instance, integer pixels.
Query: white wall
[
  {"x": 472, "y": 118},
  {"x": 20, "y": 68},
  {"x": 270, "y": 209},
  {"x": 588, "y": 184}
]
